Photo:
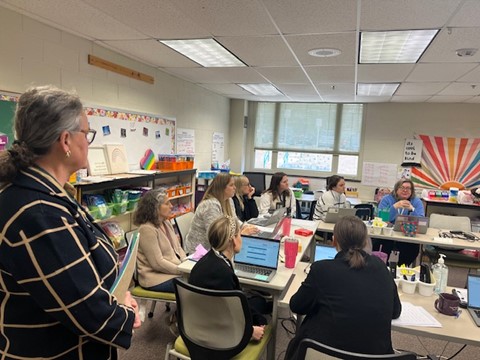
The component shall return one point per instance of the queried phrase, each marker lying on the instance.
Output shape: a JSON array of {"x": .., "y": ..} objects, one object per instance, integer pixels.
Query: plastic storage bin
[{"x": 132, "y": 204}]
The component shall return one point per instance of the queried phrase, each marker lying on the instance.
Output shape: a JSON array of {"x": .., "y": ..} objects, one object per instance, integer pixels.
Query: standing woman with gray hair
[
  {"x": 159, "y": 250},
  {"x": 56, "y": 265}
]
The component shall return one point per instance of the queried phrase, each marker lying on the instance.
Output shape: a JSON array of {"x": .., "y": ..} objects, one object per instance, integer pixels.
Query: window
[{"x": 309, "y": 137}]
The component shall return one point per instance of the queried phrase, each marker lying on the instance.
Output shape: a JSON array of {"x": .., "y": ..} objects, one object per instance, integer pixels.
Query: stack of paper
[{"x": 415, "y": 316}]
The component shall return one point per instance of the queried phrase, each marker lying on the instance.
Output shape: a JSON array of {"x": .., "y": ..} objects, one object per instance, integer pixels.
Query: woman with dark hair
[
  {"x": 216, "y": 202},
  {"x": 401, "y": 201},
  {"x": 350, "y": 301},
  {"x": 245, "y": 205},
  {"x": 277, "y": 195},
  {"x": 159, "y": 250},
  {"x": 333, "y": 197},
  {"x": 57, "y": 266},
  {"x": 215, "y": 270}
]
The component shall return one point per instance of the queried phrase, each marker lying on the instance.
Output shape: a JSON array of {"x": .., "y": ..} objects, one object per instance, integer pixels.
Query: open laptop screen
[
  {"x": 323, "y": 252},
  {"x": 259, "y": 252},
  {"x": 473, "y": 291}
]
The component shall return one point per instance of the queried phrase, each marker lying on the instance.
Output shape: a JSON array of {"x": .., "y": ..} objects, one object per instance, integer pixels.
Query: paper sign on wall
[{"x": 412, "y": 152}]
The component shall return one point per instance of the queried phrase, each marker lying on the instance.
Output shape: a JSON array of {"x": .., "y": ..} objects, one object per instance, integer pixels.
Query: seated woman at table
[
  {"x": 349, "y": 301},
  {"x": 333, "y": 197},
  {"x": 401, "y": 201},
  {"x": 245, "y": 206},
  {"x": 159, "y": 250},
  {"x": 215, "y": 270},
  {"x": 277, "y": 195},
  {"x": 216, "y": 202}
]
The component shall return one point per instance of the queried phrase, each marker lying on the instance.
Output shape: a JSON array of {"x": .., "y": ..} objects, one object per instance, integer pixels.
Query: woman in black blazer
[
  {"x": 350, "y": 301},
  {"x": 215, "y": 270}
]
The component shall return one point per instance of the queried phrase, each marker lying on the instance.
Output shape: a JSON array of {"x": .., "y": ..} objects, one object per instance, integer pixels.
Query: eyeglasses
[
  {"x": 247, "y": 184},
  {"x": 89, "y": 135},
  {"x": 403, "y": 188}
]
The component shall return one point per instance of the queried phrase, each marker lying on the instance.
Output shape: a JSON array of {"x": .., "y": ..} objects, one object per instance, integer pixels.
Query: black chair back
[
  {"x": 311, "y": 349},
  {"x": 362, "y": 214}
]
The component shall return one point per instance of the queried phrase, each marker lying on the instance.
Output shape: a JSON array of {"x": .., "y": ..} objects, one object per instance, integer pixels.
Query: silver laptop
[
  {"x": 473, "y": 305},
  {"x": 422, "y": 226},
  {"x": 275, "y": 234},
  {"x": 335, "y": 213},
  {"x": 258, "y": 258},
  {"x": 273, "y": 219}
]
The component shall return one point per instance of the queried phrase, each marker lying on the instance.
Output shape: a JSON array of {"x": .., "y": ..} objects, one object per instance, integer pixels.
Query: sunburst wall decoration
[{"x": 448, "y": 162}]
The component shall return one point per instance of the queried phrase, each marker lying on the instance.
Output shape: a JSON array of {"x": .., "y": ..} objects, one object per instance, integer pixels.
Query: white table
[
  {"x": 280, "y": 281},
  {"x": 422, "y": 239},
  {"x": 460, "y": 330}
]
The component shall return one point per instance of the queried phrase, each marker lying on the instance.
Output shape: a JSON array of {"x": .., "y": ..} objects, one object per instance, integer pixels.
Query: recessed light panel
[
  {"x": 377, "y": 89},
  {"x": 394, "y": 47},
  {"x": 206, "y": 52},
  {"x": 261, "y": 89}
]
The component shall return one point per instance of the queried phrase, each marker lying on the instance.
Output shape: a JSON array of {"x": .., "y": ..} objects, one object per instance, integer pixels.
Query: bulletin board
[
  {"x": 8, "y": 104},
  {"x": 138, "y": 132}
]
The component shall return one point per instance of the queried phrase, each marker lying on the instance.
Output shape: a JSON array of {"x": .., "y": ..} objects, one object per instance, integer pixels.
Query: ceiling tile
[
  {"x": 331, "y": 74},
  {"x": 433, "y": 88},
  {"x": 448, "y": 99},
  {"x": 284, "y": 75},
  {"x": 410, "y": 99},
  {"x": 197, "y": 75},
  {"x": 461, "y": 89},
  {"x": 439, "y": 72},
  {"x": 383, "y": 73}
]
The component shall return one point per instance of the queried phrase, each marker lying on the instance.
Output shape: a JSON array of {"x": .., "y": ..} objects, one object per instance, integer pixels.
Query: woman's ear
[
  {"x": 335, "y": 243},
  {"x": 64, "y": 140}
]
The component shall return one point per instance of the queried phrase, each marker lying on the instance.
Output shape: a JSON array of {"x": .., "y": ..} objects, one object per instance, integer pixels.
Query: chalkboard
[{"x": 7, "y": 112}]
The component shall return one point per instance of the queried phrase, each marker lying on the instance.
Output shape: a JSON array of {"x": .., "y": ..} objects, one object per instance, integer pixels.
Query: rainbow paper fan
[{"x": 147, "y": 162}]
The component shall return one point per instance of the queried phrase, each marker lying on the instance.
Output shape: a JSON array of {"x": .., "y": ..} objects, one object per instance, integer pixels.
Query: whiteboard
[
  {"x": 379, "y": 174},
  {"x": 137, "y": 131}
]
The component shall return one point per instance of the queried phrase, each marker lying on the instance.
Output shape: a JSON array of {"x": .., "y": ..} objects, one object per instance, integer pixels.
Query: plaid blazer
[{"x": 56, "y": 268}]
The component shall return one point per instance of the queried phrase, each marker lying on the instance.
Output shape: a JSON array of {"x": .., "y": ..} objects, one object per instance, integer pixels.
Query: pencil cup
[{"x": 291, "y": 251}]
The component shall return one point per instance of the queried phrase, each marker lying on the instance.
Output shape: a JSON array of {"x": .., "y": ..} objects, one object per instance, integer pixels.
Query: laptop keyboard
[{"x": 253, "y": 269}]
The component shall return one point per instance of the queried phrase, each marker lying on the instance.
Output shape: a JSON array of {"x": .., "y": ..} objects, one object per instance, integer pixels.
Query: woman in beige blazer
[{"x": 159, "y": 250}]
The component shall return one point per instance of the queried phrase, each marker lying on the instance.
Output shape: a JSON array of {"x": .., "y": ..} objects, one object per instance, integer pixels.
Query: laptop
[
  {"x": 335, "y": 213},
  {"x": 325, "y": 252},
  {"x": 258, "y": 258},
  {"x": 473, "y": 304},
  {"x": 422, "y": 226},
  {"x": 273, "y": 219},
  {"x": 275, "y": 234}
]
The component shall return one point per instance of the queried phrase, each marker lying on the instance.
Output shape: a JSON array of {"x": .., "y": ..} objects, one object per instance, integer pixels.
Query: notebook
[
  {"x": 335, "y": 213},
  {"x": 325, "y": 252},
  {"x": 258, "y": 258},
  {"x": 422, "y": 226},
  {"x": 473, "y": 304},
  {"x": 265, "y": 221}
]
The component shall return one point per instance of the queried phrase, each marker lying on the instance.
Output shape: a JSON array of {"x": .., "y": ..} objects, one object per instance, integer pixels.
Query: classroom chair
[
  {"x": 364, "y": 214},
  {"x": 214, "y": 325},
  {"x": 313, "y": 350},
  {"x": 257, "y": 180},
  {"x": 143, "y": 294},
  {"x": 453, "y": 258},
  {"x": 183, "y": 223}
]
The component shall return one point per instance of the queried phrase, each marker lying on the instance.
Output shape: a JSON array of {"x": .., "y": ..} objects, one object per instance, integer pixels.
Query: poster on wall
[
  {"x": 379, "y": 174},
  {"x": 412, "y": 152},
  {"x": 137, "y": 132},
  {"x": 218, "y": 148},
  {"x": 185, "y": 141}
]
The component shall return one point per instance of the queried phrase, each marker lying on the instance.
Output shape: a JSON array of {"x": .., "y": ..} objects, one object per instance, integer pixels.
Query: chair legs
[{"x": 152, "y": 309}]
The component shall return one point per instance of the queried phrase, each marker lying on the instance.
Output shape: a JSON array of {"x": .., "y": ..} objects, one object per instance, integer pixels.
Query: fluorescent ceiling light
[
  {"x": 206, "y": 52},
  {"x": 261, "y": 89},
  {"x": 394, "y": 47},
  {"x": 377, "y": 89}
]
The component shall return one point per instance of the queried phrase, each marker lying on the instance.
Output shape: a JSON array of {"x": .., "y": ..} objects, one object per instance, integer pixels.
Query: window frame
[{"x": 250, "y": 150}]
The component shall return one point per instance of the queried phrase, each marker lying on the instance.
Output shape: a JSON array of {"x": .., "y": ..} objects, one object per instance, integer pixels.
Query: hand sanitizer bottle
[{"x": 440, "y": 273}]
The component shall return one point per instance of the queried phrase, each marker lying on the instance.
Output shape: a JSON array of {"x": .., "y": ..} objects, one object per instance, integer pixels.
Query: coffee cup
[
  {"x": 447, "y": 304},
  {"x": 291, "y": 251}
]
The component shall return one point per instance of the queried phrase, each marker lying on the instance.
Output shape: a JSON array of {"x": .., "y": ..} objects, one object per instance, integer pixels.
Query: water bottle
[
  {"x": 440, "y": 273},
  {"x": 287, "y": 223}
]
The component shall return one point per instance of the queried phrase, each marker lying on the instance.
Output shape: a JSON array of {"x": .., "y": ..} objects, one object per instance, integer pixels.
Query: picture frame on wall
[{"x": 97, "y": 161}]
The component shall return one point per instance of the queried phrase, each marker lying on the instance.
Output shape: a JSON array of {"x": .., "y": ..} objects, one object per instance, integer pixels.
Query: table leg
[{"x": 273, "y": 341}]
